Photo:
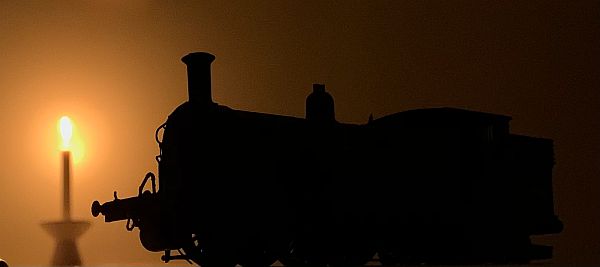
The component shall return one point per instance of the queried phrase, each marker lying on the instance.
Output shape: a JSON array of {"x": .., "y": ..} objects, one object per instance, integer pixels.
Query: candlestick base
[{"x": 66, "y": 233}]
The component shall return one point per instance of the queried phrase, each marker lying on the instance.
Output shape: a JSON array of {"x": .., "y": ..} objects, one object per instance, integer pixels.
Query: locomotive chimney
[{"x": 198, "y": 72}]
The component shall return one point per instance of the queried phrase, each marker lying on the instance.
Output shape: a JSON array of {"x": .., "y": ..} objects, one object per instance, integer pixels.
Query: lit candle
[{"x": 66, "y": 132}]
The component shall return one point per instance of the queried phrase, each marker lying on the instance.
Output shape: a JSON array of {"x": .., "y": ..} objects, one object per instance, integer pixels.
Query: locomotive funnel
[{"x": 198, "y": 72}]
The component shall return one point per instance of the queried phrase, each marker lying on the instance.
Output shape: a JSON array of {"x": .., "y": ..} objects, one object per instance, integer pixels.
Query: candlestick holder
[{"x": 65, "y": 233}]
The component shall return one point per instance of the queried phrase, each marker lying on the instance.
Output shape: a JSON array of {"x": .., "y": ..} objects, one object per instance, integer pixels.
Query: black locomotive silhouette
[{"x": 436, "y": 185}]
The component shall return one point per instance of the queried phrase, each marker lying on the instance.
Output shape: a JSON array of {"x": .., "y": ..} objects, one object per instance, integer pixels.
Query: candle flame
[{"x": 66, "y": 131}]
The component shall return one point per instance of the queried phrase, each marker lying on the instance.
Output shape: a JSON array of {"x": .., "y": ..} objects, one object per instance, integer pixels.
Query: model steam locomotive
[{"x": 437, "y": 185}]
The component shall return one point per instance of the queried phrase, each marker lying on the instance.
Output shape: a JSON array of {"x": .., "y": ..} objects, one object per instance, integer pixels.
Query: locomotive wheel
[
  {"x": 257, "y": 258},
  {"x": 303, "y": 256},
  {"x": 388, "y": 258},
  {"x": 256, "y": 253},
  {"x": 209, "y": 255},
  {"x": 346, "y": 251},
  {"x": 358, "y": 257}
]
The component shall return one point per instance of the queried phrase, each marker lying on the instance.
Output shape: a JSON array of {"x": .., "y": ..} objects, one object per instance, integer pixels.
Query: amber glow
[
  {"x": 114, "y": 68},
  {"x": 66, "y": 132}
]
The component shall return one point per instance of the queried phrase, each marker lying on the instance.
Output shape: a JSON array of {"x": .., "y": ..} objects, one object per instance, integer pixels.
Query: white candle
[{"x": 66, "y": 132}]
